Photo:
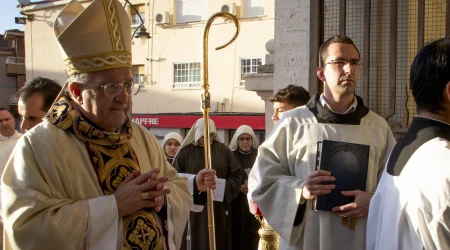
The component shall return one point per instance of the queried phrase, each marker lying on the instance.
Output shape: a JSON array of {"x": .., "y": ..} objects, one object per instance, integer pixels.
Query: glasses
[
  {"x": 114, "y": 89},
  {"x": 244, "y": 139},
  {"x": 341, "y": 63}
]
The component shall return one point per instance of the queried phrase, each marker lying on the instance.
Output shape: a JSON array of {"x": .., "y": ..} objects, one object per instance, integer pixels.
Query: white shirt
[{"x": 351, "y": 109}]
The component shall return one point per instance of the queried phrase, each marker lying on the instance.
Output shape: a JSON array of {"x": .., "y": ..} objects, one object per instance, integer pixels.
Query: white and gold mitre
[{"x": 94, "y": 38}]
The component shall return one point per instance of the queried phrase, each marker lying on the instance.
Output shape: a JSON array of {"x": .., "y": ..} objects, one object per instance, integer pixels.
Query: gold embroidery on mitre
[
  {"x": 113, "y": 22},
  {"x": 97, "y": 62}
]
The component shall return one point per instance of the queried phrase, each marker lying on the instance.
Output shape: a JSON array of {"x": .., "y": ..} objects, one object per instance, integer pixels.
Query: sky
[{"x": 8, "y": 11}]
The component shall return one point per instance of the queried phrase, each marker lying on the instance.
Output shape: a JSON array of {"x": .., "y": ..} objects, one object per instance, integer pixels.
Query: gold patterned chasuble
[{"x": 113, "y": 159}]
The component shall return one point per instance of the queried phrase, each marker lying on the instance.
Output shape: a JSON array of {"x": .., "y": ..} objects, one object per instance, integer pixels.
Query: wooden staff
[{"x": 206, "y": 108}]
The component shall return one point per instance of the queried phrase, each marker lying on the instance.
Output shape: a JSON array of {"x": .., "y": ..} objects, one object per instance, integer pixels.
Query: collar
[
  {"x": 16, "y": 135},
  {"x": 65, "y": 116},
  {"x": 324, "y": 115},
  {"x": 245, "y": 153},
  {"x": 420, "y": 131},
  {"x": 351, "y": 109}
]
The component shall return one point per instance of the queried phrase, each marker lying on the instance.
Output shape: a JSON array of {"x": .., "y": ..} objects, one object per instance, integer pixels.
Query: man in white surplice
[
  {"x": 87, "y": 177},
  {"x": 410, "y": 209},
  {"x": 287, "y": 160}
]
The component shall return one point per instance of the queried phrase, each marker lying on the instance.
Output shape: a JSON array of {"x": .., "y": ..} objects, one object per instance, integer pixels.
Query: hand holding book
[
  {"x": 318, "y": 182},
  {"x": 348, "y": 162},
  {"x": 358, "y": 208}
]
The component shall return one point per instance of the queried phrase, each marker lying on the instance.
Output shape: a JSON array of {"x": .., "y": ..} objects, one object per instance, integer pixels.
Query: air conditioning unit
[
  {"x": 162, "y": 18},
  {"x": 229, "y": 7}
]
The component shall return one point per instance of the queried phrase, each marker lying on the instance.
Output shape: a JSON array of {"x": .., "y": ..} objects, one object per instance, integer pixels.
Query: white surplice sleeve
[{"x": 279, "y": 192}]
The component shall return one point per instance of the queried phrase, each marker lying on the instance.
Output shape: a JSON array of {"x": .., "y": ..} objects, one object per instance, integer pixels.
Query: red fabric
[{"x": 258, "y": 212}]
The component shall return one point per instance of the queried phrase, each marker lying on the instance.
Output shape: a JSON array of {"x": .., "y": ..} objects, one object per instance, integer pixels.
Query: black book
[{"x": 348, "y": 163}]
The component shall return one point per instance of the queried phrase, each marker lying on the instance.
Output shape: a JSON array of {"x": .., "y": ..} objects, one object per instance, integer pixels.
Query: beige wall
[{"x": 175, "y": 43}]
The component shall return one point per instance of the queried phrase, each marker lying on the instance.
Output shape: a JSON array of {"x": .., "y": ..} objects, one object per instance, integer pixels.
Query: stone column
[
  {"x": 262, "y": 84},
  {"x": 292, "y": 34}
]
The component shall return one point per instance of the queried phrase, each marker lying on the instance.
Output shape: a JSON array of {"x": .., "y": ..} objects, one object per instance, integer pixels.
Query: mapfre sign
[{"x": 186, "y": 121}]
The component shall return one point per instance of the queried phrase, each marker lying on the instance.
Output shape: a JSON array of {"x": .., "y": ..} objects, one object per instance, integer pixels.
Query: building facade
[
  {"x": 167, "y": 67},
  {"x": 12, "y": 68}
]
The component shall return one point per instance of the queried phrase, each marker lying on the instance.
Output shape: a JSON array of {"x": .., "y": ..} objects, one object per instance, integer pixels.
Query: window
[
  {"x": 187, "y": 75},
  {"x": 136, "y": 21},
  {"x": 249, "y": 66},
  {"x": 253, "y": 8},
  {"x": 191, "y": 10},
  {"x": 138, "y": 78}
]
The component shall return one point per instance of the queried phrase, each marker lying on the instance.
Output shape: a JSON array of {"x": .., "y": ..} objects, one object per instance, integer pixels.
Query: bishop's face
[{"x": 106, "y": 110}]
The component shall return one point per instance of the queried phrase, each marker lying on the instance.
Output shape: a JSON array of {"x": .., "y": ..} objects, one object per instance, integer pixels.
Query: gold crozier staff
[{"x": 205, "y": 108}]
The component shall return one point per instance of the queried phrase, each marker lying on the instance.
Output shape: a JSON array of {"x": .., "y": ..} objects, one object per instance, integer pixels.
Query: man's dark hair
[
  {"x": 334, "y": 39},
  {"x": 430, "y": 74},
  {"x": 49, "y": 89},
  {"x": 294, "y": 95}
]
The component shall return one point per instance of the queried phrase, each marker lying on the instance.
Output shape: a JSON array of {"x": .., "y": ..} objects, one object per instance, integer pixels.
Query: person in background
[
  {"x": 190, "y": 159},
  {"x": 35, "y": 99},
  {"x": 8, "y": 136},
  {"x": 170, "y": 144},
  {"x": 8, "y": 139},
  {"x": 284, "y": 100},
  {"x": 288, "y": 98},
  {"x": 410, "y": 209},
  {"x": 244, "y": 145}
]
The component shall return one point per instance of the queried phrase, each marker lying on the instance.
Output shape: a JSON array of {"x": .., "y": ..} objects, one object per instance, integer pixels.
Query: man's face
[
  {"x": 30, "y": 111},
  {"x": 7, "y": 123},
  {"x": 278, "y": 109},
  {"x": 107, "y": 112},
  {"x": 171, "y": 147},
  {"x": 340, "y": 78},
  {"x": 245, "y": 142}
]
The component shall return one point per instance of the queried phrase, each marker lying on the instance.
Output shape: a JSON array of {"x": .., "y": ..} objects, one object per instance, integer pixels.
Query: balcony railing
[
  {"x": 15, "y": 66},
  {"x": 15, "y": 60}
]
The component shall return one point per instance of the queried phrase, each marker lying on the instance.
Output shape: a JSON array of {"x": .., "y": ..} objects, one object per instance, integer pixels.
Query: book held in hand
[{"x": 348, "y": 163}]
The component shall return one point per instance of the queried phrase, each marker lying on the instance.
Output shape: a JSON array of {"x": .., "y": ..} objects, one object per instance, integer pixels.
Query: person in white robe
[
  {"x": 87, "y": 177},
  {"x": 410, "y": 209},
  {"x": 284, "y": 100},
  {"x": 287, "y": 160},
  {"x": 8, "y": 139},
  {"x": 8, "y": 136}
]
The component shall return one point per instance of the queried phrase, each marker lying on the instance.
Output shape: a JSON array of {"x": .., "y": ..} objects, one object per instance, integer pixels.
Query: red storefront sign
[{"x": 186, "y": 121}]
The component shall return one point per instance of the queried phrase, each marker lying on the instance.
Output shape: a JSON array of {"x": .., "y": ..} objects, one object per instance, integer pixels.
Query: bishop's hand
[
  {"x": 206, "y": 178},
  {"x": 140, "y": 191},
  {"x": 314, "y": 184}
]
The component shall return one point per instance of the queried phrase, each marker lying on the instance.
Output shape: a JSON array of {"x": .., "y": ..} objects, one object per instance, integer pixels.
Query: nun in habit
[
  {"x": 244, "y": 145},
  {"x": 190, "y": 160},
  {"x": 171, "y": 144}
]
